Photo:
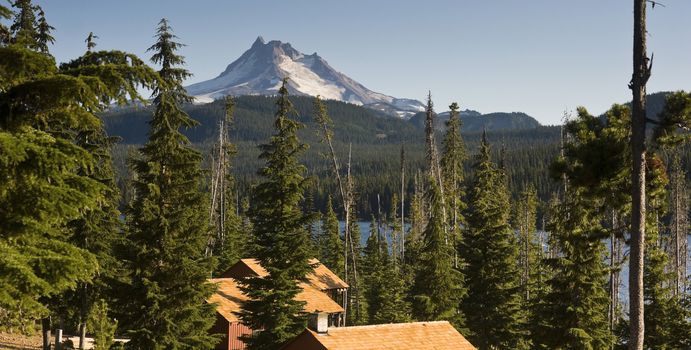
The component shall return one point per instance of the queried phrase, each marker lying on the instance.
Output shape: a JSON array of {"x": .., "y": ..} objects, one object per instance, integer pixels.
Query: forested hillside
[{"x": 376, "y": 144}]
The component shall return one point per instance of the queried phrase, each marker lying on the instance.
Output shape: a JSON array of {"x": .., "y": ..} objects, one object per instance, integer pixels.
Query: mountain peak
[
  {"x": 259, "y": 71},
  {"x": 260, "y": 41}
]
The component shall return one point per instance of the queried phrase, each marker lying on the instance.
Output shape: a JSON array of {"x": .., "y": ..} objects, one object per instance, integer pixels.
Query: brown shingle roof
[
  {"x": 321, "y": 278},
  {"x": 229, "y": 298},
  {"x": 438, "y": 335}
]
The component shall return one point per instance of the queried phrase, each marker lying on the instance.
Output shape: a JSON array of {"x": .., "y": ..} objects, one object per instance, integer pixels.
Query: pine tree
[
  {"x": 357, "y": 304},
  {"x": 573, "y": 315},
  {"x": 438, "y": 286},
  {"x": 384, "y": 287},
  {"x": 492, "y": 307},
  {"x": 167, "y": 223},
  {"x": 331, "y": 240},
  {"x": 663, "y": 306},
  {"x": 679, "y": 223},
  {"x": 53, "y": 179},
  {"x": 396, "y": 232},
  {"x": 282, "y": 245},
  {"x": 24, "y": 31},
  {"x": 525, "y": 220},
  {"x": 43, "y": 29},
  {"x": 452, "y": 159}
]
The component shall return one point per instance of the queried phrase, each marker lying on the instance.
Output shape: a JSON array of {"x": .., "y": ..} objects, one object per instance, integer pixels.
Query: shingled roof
[
  {"x": 438, "y": 335},
  {"x": 229, "y": 298},
  {"x": 321, "y": 277}
]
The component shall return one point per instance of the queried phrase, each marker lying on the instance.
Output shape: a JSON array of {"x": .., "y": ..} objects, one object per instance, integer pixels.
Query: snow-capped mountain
[{"x": 260, "y": 69}]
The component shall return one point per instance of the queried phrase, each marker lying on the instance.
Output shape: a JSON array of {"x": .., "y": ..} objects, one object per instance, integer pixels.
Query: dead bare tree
[
  {"x": 641, "y": 73},
  {"x": 345, "y": 189}
]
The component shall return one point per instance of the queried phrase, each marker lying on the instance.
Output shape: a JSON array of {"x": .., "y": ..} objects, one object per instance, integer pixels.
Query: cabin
[
  {"x": 321, "y": 292},
  {"x": 438, "y": 335},
  {"x": 321, "y": 277}
]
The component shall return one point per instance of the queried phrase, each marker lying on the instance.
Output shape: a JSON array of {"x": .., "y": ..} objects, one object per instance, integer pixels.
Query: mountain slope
[
  {"x": 260, "y": 69},
  {"x": 474, "y": 121}
]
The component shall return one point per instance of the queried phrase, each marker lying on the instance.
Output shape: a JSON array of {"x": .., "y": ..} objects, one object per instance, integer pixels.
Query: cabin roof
[
  {"x": 439, "y": 335},
  {"x": 229, "y": 298},
  {"x": 321, "y": 277}
]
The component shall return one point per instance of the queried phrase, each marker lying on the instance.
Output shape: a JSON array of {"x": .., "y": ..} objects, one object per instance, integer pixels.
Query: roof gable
[
  {"x": 321, "y": 277},
  {"x": 229, "y": 299},
  {"x": 438, "y": 335}
]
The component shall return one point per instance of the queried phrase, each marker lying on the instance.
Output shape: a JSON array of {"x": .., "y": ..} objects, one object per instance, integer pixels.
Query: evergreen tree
[
  {"x": 167, "y": 223},
  {"x": 492, "y": 307},
  {"x": 53, "y": 179},
  {"x": 525, "y": 220},
  {"x": 452, "y": 159},
  {"x": 396, "y": 232},
  {"x": 438, "y": 286},
  {"x": 664, "y": 313},
  {"x": 573, "y": 314},
  {"x": 357, "y": 304},
  {"x": 331, "y": 240},
  {"x": 24, "y": 31},
  {"x": 282, "y": 245},
  {"x": 384, "y": 287},
  {"x": 43, "y": 29}
]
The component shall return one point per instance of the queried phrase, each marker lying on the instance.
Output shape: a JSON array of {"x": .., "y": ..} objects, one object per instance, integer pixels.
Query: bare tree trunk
[
  {"x": 402, "y": 204},
  {"x": 641, "y": 73},
  {"x": 83, "y": 316},
  {"x": 45, "y": 328}
]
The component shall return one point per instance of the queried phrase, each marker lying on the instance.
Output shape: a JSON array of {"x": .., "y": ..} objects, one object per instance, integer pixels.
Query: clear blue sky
[{"x": 541, "y": 57}]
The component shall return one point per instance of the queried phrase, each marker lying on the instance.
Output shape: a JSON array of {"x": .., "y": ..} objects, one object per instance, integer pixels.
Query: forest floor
[{"x": 12, "y": 341}]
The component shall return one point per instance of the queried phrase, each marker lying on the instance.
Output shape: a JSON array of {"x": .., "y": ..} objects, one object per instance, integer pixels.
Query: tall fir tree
[
  {"x": 53, "y": 179},
  {"x": 525, "y": 221},
  {"x": 43, "y": 31},
  {"x": 664, "y": 312},
  {"x": 282, "y": 244},
  {"x": 167, "y": 223},
  {"x": 24, "y": 31},
  {"x": 438, "y": 286},
  {"x": 493, "y": 304},
  {"x": 331, "y": 239},
  {"x": 357, "y": 304},
  {"x": 573, "y": 314},
  {"x": 453, "y": 156},
  {"x": 384, "y": 286}
]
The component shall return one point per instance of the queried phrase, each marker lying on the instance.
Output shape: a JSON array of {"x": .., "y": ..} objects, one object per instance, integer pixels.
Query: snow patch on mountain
[{"x": 260, "y": 70}]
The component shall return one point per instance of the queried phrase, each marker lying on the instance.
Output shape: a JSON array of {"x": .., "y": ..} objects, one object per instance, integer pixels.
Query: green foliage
[
  {"x": 384, "y": 286},
  {"x": 43, "y": 29},
  {"x": 674, "y": 120},
  {"x": 438, "y": 286},
  {"x": 282, "y": 244},
  {"x": 50, "y": 175},
  {"x": 23, "y": 28},
  {"x": 331, "y": 241},
  {"x": 167, "y": 225},
  {"x": 452, "y": 159},
  {"x": 493, "y": 305},
  {"x": 103, "y": 327},
  {"x": 376, "y": 144},
  {"x": 529, "y": 251},
  {"x": 573, "y": 314}
]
